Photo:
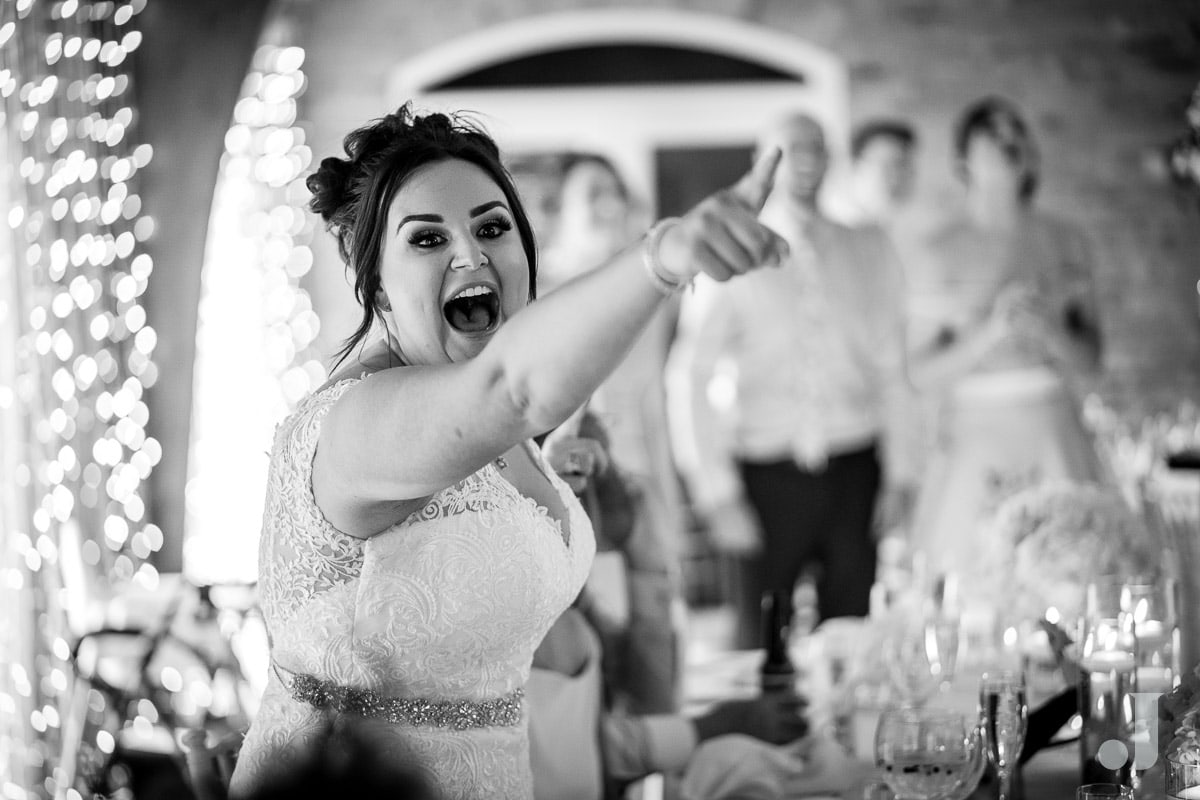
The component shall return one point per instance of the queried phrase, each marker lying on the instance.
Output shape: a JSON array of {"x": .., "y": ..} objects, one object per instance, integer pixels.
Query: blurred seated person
[
  {"x": 640, "y": 641},
  {"x": 350, "y": 763},
  {"x": 587, "y": 673}
]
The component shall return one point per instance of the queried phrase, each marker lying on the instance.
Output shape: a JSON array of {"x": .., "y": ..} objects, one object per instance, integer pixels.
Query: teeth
[{"x": 474, "y": 291}]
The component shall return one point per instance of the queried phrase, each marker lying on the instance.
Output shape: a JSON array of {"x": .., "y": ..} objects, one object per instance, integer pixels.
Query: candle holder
[
  {"x": 1107, "y": 682},
  {"x": 1152, "y": 606},
  {"x": 1182, "y": 780}
]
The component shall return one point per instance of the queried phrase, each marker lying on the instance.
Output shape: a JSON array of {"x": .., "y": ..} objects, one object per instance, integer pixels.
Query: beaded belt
[{"x": 456, "y": 714}]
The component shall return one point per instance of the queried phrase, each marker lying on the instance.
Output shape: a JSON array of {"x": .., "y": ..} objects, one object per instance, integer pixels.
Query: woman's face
[
  {"x": 452, "y": 265},
  {"x": 592, "y": 200},
  {"x": 993, "y": 169}
]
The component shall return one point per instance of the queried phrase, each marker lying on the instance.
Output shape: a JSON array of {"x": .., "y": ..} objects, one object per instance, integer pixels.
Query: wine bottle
[{"x": 777, "y": 673}]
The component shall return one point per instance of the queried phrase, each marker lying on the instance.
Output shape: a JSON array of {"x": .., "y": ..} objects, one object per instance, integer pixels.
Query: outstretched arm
[{"x": 404, "y": 433}]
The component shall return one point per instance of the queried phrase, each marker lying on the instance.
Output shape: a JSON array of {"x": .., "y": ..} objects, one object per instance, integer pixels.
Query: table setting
[
  {"x": 1066, "y": 660},
  {"x": 933, "y": 697}
]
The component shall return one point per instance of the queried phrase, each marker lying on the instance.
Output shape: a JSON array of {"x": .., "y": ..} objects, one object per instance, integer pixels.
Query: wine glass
[
  {"x": 923, "y": 753},
  {"x": 1005, "y": 716},
  {"x": 977, "y": 764},
  {"x": 1103, "y": 791}
]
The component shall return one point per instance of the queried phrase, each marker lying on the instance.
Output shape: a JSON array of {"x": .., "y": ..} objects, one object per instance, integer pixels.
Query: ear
[{"x": 382, "y": 302}]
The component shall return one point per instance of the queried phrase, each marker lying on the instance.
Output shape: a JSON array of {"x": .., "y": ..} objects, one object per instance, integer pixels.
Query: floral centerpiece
[
  {"x": 1179, "y": 721},
  {"x": 1049, "y": 541}
]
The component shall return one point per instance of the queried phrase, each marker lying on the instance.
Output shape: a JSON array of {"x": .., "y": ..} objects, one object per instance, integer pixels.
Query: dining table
[{"x": 1052, "y": 773}]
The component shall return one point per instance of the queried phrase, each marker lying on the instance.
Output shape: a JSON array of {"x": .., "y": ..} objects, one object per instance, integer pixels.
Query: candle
[
  {"x": 1036, "y": 645},
  {"x": 1109, "y": 661},
  {"x": 1152, "y": 634},
  {"x": 1154, "y": 679}
]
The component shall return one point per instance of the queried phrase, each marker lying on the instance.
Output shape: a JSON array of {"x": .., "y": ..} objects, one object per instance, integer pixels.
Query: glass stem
[{"x": 1005, "y": 784}]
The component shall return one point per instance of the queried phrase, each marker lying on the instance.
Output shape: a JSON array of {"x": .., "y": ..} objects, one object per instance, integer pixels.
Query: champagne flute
[
  {"x": 913, "y": 673},
  {"x": 943, "y": 621},
  {"x": 1005, "y": 716},
  {"x": 941, "y": 646},
  {"x": 923, "y": 753}
]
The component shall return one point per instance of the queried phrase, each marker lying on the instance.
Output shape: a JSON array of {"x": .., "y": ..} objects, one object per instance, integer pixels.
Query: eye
[
  {"x": 494, "y": 228},
  {"x": 426, "y": 239}
]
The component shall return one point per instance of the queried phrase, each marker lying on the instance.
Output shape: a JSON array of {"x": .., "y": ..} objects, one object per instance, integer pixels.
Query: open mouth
[{"x": 475, "y": 309}]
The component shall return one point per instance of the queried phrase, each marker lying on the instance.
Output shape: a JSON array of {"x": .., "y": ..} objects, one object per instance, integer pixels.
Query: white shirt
[{"x": 799, "y": 362}]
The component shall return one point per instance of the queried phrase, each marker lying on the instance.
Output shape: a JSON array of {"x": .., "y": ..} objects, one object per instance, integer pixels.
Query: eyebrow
[
  {"x": 419, "y": 218},
  {"x": 477, "y": 210},
  {"x": 474, "y": 212}
]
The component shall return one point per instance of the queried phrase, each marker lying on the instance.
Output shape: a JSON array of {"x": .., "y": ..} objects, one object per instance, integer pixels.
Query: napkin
[{"x": 738, "y": 767}]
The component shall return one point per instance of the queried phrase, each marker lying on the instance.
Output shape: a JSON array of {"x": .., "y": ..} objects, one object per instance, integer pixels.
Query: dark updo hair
[
  {"x": 353, "y": 194},
  {"x": 1000, "y": 121}
]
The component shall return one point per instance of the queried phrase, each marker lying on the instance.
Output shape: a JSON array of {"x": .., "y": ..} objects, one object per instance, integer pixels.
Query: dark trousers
[{"x": 820, "y": 519}]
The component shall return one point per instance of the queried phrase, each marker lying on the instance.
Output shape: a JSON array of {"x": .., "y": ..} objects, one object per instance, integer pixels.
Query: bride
[
  {"x": 416, "y": 546},
  {"x": 1006, "y": 331}
]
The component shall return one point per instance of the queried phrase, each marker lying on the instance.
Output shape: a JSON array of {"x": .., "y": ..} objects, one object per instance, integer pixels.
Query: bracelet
[{"x": 654, "y": 268}]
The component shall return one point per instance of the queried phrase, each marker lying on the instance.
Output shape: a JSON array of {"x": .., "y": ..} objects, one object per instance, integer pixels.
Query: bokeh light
[
  {"x": 73, "y": 527},
  {"x": 256, "y": 324}
]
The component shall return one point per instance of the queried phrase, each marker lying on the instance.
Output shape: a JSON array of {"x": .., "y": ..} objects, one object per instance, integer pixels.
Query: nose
[{"x": 468, "y": 256}]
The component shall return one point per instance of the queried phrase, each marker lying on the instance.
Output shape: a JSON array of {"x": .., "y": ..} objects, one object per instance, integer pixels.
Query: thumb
[{"x": 755, "y": 185}]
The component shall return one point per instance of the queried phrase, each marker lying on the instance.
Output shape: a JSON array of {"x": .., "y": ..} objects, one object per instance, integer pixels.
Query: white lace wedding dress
[{"x": 429, "y": 627}]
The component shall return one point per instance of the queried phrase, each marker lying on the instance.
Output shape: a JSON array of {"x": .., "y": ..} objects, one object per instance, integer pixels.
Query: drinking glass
[
  {"x": 1005, "y": 715},
  {"x": 1182, "y": 780},
  {"x": 1103, "y": 791},
  {"x": 941, "y": 646},
  {"x": 923, "y": 753},
  {"x": 914, "y": 676},
  {"x": 977, "y": 750}
]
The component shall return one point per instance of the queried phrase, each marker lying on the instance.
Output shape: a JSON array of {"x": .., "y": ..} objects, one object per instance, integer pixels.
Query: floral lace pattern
[
  {"x": 294, "y": 530},
  {"x": 448, "y": 605}
]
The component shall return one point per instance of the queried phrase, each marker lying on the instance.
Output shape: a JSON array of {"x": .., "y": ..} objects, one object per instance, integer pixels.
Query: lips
[{"x": 473, "y": 309}]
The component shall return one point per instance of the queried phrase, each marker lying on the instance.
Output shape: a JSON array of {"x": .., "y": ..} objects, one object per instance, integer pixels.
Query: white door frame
[{"x": 627, "y": 122}]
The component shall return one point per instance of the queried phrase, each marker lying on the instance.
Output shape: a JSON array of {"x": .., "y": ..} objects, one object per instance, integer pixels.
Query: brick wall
[{"x": 1105, "y": 83}]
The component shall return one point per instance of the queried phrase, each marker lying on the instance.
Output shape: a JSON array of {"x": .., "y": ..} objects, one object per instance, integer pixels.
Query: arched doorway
[{"x": 673, "y": 97}]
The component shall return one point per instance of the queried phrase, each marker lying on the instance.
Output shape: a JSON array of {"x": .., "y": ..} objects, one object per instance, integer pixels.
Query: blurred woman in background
[
  {"x": 1006, "y": 332},
  {"x": 597, "y": 216}
]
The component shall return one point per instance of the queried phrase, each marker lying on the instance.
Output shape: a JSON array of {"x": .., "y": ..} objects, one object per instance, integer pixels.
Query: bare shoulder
[{"x": 371, "y": 359}]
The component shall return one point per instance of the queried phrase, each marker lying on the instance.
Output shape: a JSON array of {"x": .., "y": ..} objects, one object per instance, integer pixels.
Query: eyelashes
[
  {"x": 498, "y": 222},
  {"x": 492, "y": 228}
]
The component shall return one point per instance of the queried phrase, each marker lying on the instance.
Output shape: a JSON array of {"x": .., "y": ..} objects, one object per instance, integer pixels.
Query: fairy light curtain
[
  {"x": 256, "y": 324},
  {"x": 75, "y": 360}
]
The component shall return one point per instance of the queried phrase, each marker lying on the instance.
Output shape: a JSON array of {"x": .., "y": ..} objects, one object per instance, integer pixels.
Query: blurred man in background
[
  {"x": 782, "y": 395},
  {"x": 882, "y": 174}
]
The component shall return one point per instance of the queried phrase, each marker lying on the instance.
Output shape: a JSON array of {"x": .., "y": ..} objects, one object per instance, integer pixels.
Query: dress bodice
[
  {"x": 447, "y": 605},
  {"x": 966, "y": 267}
]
